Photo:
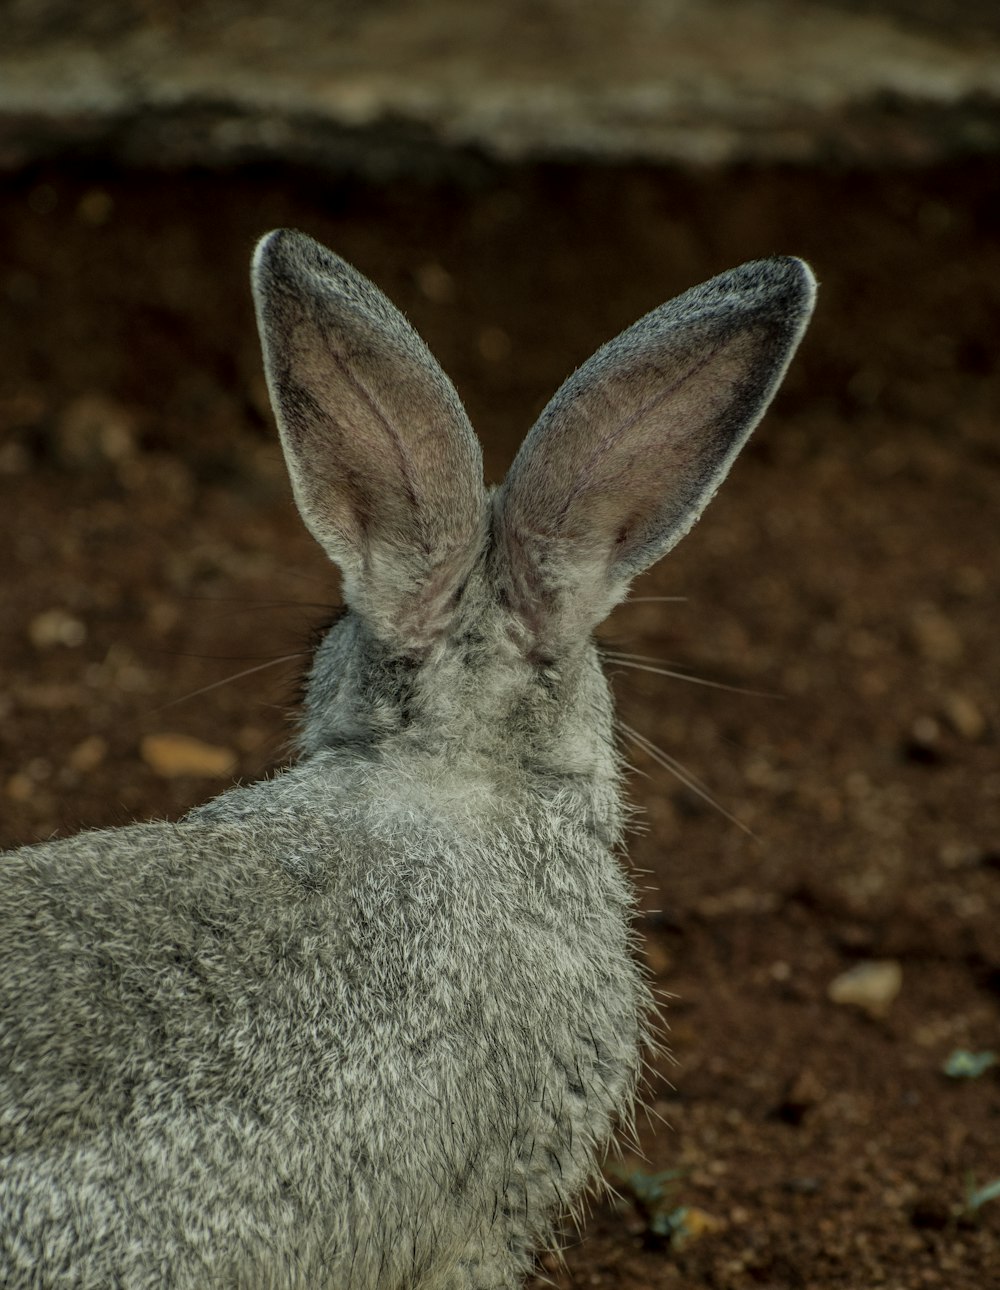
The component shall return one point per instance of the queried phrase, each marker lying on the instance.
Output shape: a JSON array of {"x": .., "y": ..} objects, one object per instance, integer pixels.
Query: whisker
[
  {"x": 227, "y": 680},
  {"x": 243, "y": 602},
  {"x": 643, "y": 663},
  {"x": 681, "y": 773},
  {"x": 648, "y": 745},
  {"x": 224, "y": 658},
  {"x": 655, "y": 600},
  {"x": 635, "y": 770}
]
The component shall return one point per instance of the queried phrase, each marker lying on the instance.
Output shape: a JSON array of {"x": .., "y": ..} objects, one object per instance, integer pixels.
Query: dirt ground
[{"x": 849, "y": 567}]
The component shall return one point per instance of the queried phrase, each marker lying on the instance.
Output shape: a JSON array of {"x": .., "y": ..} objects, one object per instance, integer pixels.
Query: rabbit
[{"x": 372, "y": 1022}]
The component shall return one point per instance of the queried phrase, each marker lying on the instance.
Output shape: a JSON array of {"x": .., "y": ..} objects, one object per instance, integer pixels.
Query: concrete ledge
[{"x": 389, "y": 83}]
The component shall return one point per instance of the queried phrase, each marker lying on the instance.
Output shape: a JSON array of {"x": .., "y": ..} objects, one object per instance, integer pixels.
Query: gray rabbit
[{"x": 370, "y": 1023}]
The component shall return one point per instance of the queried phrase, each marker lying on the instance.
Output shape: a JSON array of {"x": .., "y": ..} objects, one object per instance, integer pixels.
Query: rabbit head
[{"x": 469, "y": 614}]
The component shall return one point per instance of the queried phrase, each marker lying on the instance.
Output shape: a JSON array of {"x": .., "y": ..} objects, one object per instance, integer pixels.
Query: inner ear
[
  {"x": 633, "y": 446},
  {"x": 385, "y": 467}
]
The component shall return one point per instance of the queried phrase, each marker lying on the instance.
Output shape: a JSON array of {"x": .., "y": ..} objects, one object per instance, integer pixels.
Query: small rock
[
  {"x": 88, "y": 754},
  {"x": 95, "y": 207},
  {"x": 935, "y": 637},
  {"x": 691, "y": 1224},
  {"x": 958, "y": 855},
  {"x": 24, "y": 784},
  {"x": 94, "y": 429},
  {"x": 20, "y": 787},
  {"x": 171, "y": 755},
  {"x": 435, "y": 283},
  {"x": 971, "y": 582},
  {"x": 870, "y": 986},
  {"x": 736, "y": 900},
  {"x": 494, "y": 344},
  {"x": 56, "y": 627},
  {"x": 52, "y": 697},
  {"x": 659, "y": 960},
  {"x": 14, "y": 458},
  {"x": 963, "y": 715},
  {"x": 802, "y": 1093},
  {"x": 924, "y": 742}
]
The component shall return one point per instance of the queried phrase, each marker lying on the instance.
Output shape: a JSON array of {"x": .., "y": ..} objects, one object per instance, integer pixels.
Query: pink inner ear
[
  {"x": 631, "y": 403},
  {"x": 622, "y": 462},
  {"x": 654, "y": 462},
  {"x": 386, "y": 469}
]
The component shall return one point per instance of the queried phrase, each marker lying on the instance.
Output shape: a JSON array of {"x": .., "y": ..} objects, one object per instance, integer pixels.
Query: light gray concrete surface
[{"x": 389, "y": 83}]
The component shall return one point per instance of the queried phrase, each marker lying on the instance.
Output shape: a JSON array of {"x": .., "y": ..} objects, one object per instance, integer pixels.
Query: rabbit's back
[{"x": 290, "y": 1033}]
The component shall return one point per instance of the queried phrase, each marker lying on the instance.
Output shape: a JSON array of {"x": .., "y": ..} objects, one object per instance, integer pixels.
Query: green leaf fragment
[
  {"x": 977, "y": 1198},
  {"x": 962, "y": 1064}
]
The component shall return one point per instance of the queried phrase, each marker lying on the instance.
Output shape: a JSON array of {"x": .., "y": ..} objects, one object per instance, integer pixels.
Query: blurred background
[{"x": 524, "y": 180}]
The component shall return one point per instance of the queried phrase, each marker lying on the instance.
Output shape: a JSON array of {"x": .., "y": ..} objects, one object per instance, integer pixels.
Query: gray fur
[{"x": 370, "y": 1023}]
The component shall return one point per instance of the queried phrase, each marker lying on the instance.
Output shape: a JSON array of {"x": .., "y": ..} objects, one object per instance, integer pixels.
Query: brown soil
[{"x": 150, "y": 549}]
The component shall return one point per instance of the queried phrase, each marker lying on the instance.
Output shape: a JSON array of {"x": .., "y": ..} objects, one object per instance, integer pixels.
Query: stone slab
[{"x": 388, "y": 84}]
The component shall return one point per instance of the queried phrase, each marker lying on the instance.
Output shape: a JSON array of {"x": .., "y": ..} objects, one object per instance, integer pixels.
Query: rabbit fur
[{"x": 371, "y": 1022}]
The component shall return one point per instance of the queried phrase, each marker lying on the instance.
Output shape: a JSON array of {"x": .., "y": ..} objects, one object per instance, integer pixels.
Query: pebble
[
  {"x": 172, "y": 755},
  {"x": 56, "y": 627},
  {"x": 802, "y": 1093},
  {"x": 95, "y": 207},
  {"x": 93, "y": 429},
  {"x": 435, "y": 283},
  {"x": 659, "y": 961},
  {"x": 871, "y": 986},
  {"x": 964, "y": 716},
  {"x": 88, "y": 754},
  {"x": 19, "y": 787},
  {"x": 935, "y": 637},
  {"x": 924, "y": 743},
  {"x": 737, "y": 900},
  {"x": 493, "y": 344},
  {"x": 23, "y": 785},
  {"x": 15, "y": 459},
  {"x": 694, "y": 1223}
]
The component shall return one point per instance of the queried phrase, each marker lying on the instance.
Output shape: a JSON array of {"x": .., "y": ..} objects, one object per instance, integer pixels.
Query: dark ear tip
[
  {"x": 802, "y": 278},
  {"x": 781, "y": 289},
  {"x": 788, "y": 280},
  {"x": 288, "y": 264},
  {"x": 282, "y": 250}
]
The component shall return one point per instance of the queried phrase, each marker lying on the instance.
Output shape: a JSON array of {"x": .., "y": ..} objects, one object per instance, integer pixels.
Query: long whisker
[
  {"x": 642, "y": 663},
  {"x": 649, "y": 746},
  {"x": 241, "y": 602},
  {"x": 227, "y": 680},
  {"x": 656, "y": 600},
  {"x": 681, "y": 773}
]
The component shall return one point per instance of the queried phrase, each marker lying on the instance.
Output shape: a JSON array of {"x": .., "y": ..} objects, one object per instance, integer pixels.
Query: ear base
[
  {"x": 632, "y": 447},
  {"x": 385, "y": 467}
]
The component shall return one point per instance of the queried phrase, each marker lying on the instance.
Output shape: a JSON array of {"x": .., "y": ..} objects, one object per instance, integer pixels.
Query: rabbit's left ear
[
  {"x": 634, "y": 444},
  {"x": 385, "y": 466}
]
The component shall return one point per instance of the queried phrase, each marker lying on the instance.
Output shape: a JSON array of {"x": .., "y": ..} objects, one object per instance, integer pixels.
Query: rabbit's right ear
[
  {"x": 632, "y": 447},
  {"x": 384, "y": 464}
]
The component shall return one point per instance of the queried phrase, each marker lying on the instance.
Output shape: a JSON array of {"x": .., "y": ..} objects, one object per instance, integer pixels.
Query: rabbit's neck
[{"x": 399, "y": 787}]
